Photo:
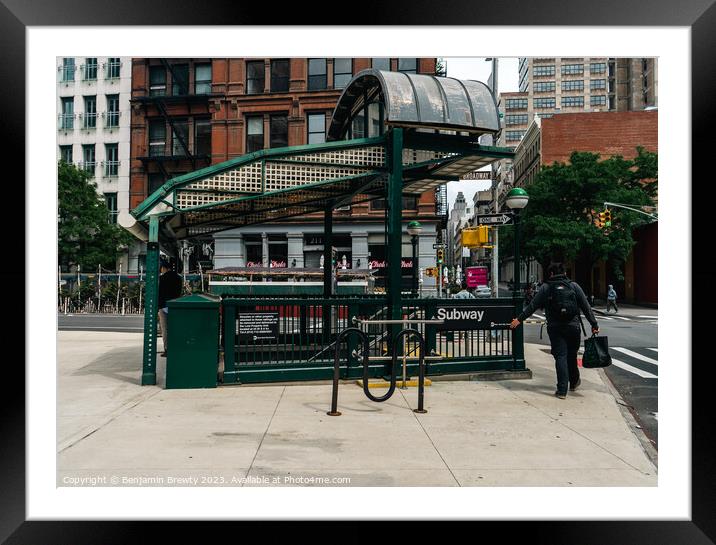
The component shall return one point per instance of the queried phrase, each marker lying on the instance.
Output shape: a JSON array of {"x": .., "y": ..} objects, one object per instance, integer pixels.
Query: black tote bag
[{"x": 596, "y": 352}]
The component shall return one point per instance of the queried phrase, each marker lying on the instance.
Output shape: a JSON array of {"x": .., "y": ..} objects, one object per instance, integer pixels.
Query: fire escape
[
  {"x": 441, "y": 212},
  {"x": 182, "y": 105}
]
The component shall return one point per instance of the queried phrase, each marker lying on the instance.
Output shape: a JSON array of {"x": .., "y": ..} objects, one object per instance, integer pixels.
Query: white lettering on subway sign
[{"x": 457, "y": 314}]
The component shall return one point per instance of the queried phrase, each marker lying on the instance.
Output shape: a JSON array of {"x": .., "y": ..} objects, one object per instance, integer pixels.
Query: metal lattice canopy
[{"x": 281, "y": 183}]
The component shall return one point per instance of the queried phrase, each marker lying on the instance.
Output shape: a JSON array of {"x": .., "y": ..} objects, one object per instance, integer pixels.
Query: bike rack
[{"x": 394, "y": 364}]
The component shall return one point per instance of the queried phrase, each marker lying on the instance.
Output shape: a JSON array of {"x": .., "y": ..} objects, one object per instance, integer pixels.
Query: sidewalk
[
  {"x": 501, "y": 433},
  {"x": 631, "y": 311}
]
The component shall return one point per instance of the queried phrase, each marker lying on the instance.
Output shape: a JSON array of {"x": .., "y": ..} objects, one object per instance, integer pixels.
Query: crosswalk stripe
[
  {"x": 653, "y": 349},
  {"x": 632, "y": 369},
  {"x": 635, "y": 355},
  {"x": 606, "y": 318},
  {"x": 647, "y": 316},
  {"x": 621, "y": 317}
]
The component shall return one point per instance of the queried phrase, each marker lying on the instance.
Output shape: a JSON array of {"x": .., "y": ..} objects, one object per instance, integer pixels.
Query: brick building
[
  {"x": 606, "y": 133},
  {"x": 191, "y": 113}
]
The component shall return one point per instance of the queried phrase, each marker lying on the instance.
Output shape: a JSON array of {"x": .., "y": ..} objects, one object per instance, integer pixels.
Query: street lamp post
[
  {"x": 414, "y": 230},
  {"x": 517, "y": 199}
]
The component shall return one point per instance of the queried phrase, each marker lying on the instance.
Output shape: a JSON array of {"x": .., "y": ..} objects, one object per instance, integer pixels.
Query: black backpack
[{"x": 562, "y": 301}]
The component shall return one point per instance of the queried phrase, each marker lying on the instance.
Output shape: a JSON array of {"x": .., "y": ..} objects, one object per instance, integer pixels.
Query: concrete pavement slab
[{"x": 501, "y": 433}]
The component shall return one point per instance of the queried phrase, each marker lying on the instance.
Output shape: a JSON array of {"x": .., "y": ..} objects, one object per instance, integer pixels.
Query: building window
[
  {"x": 317, "y": 78},
  {"x": 112, "y": 68},
  {"x": 548, "y": 102},
  {"x": 573, "y": 85},
  {"x": 544, "y": 86},
  {"x": 598, "y": 84},
  {"x": 68, "y": 113},
  {"x": 202, "y": 79},
  {"x": 572, "y": 102},
  {"x": 342, "y": 72},
  {"x": 202, "y": 136},
  {"x": 375, "y": 119},
  {"x": 409, "y": 66},
  {"x": 111, "y": 163},
  {"x": 381, "y": 64},
  {"x": 278, "y": 135},
  {"x": 88, "y": 158},
  {"x": 512, "y": 136},
  {"x": 180, "y": 137},
  {"x": 156, "y": 181},
  {"x": 157, "y": 138},
  {"x": 112, "y": 111},
  {"x": 66, "y": 154},
  {"x": 111, "y": 200},
  {"x": 180, "y": 79},
  {"x": 612, "y": 103},
  {"x": 599, "y": 100},
  {"x": 516, "y": 104},
  {"x": 571, "y": 69},
  {"x": 598, "y": 68},
  {"x": 254, "y": 134},
  {"x": 357, "y": 128},
  {"x": 68, "y": 69},
  {"x": 157, "y": 81},
  {"x": 543, "y": 70},
  {"x": 280, "y": 72},
  {"x": 316, "y": 128},
  {"x": 89, "y": 118},
  {"x": 520, "y": 119},
  {"x": 90, "y": 69},
  {"x": 255, "y": 76}
]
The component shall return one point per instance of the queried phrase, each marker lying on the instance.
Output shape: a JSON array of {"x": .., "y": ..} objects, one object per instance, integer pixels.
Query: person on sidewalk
[
  {"x": 612, "y": 299},
  {"x": 562, "y": 300},
  {"x": 170, "y": 287}
]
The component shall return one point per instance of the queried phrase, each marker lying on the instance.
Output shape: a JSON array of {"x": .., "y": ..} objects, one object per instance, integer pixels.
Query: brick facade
[{"x": 606, "y": 133}]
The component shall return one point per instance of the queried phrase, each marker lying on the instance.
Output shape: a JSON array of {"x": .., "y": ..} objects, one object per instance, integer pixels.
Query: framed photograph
[{"x": 88, "y": 435}]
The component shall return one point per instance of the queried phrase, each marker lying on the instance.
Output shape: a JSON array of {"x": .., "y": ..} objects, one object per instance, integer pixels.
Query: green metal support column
[
  {"x": 518, "y": 347},
  {"x": 149, "y": 364},
  {"x": 327, "y": 270},
  {"x": 395, "y": 228}
]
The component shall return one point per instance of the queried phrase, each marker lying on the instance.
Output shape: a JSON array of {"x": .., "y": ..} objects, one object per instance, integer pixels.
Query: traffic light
[
  {"x": 608, "y": 218},
  {"x": 484, "y": 234},
  {"x": 440, "y": 255},
  {"x": 601, "y": 220}
]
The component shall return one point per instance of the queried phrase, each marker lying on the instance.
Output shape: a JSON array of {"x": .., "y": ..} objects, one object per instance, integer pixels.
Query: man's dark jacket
[
  {"x": 541, "y": 300},
  {"x": 170, "y": 287}
]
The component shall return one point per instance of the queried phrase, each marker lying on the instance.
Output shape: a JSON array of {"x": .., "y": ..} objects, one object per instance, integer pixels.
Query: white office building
[{"x": 93, "y": 127}]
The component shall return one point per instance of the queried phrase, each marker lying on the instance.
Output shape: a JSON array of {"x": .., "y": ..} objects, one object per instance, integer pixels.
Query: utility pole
[{"x": 495, "y": 200}]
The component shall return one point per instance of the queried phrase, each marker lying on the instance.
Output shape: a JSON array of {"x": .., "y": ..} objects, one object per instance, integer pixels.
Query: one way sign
[{"x": 495, "y": 219}]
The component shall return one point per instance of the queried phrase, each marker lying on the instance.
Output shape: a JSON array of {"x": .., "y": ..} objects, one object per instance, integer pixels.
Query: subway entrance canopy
[{"x": 392, "y": 134}]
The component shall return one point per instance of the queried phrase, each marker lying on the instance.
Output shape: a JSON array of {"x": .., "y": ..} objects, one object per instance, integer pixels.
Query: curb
[{"x": 634, "y": 426}]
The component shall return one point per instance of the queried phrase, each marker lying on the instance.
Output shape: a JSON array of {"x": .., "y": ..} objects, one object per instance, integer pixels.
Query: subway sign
[{"x": 458, "y": 318}]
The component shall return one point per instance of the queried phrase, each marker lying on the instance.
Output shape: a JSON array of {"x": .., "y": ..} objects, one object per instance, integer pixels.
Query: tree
[
  {"x": 558, "y": 224},
  {"x": 85, "y": 234}
]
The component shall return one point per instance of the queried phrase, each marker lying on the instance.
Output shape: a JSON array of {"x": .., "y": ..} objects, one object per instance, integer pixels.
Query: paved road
[
  {"x": 100, "y": 322},
  {"x": 633, "y": 345}
]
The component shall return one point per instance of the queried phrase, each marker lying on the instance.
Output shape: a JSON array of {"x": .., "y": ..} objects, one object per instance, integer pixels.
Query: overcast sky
[{"x": 479, "y": 69}]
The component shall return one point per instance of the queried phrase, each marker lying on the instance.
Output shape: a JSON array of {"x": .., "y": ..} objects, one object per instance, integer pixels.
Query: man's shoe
[
  {"x": 573, "y": 387},
  {"x": 560, "y": 396}
]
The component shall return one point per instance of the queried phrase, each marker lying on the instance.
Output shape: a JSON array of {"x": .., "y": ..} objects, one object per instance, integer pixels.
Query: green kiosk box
[{"x": 193, "y": 352}]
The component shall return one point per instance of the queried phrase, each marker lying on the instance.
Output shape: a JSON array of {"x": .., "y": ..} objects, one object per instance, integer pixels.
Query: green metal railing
[{"x": 299, "y": 343}]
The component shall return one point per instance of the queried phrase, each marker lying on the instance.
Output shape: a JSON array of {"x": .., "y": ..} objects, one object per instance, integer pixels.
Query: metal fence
[{"x": 294, "y": 339}]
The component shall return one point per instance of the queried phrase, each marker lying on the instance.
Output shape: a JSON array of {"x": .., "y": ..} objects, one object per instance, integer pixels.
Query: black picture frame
[{"x": 699, "y": 15}]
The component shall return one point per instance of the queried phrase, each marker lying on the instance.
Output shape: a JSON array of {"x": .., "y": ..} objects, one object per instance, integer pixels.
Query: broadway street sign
[{"x": 495, "y": 219}]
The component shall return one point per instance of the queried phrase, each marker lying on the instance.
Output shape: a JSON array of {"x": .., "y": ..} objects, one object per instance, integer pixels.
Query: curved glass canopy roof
[{"x": 418, "y": 100}]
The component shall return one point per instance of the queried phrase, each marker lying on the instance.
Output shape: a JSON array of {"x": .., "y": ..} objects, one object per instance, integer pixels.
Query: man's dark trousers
[{"x": 565, "y": 340}]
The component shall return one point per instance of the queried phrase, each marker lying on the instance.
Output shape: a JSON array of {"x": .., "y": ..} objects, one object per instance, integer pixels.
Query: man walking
[
  {"x": 612, "y": 299},
  {"x": 170, "y": 287},
  {"x": 562, "y": 300}
]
